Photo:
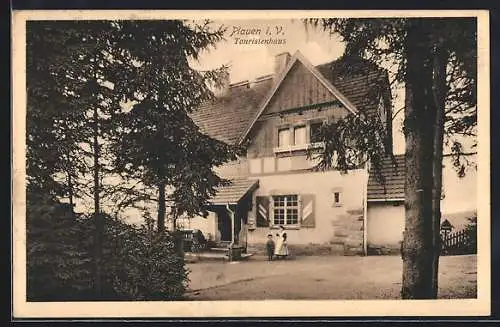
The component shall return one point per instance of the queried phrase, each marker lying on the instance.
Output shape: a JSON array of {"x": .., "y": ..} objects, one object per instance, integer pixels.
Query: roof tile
[
  {"x": 232, "y": 193},
  {"x": 227, "y": 117},
  {"x": 394, "y": 174}
]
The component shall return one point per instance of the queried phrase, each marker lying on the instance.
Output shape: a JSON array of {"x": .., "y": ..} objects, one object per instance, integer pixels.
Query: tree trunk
[
  {"x": 98, "y": 219},
  {"x": 177, "y": 235},
  {"x": 418, "y": 243},
  {"x": 70, "y": 192},
  {"x": 439, "y": 92},
  {"x": 161, "y": 207}
]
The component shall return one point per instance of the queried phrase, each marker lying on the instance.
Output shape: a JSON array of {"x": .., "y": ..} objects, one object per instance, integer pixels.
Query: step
[
  {"x": 208, "y": 256},
  {"x": 222, "y": 245},
  {"x": 219, "y": 249}
]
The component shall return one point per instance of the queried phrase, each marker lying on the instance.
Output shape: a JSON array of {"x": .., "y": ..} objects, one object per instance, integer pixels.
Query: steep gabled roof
[
  {"x": 395, "y": 175},
  {"x": 230, "y": 117}
]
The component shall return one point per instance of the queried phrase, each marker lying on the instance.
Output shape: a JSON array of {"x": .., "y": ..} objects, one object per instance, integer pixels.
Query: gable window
[
  {"x": 283, "y": 137},
  {"x": 286, "y": 210},
  {"x": 299, "y": 135},
  {"x": 297, "y": 138},
  {"x": 315, "y": 129}
]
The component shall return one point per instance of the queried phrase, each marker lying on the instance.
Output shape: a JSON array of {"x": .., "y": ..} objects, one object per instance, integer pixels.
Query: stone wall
[{"x": 348, "y": 231}]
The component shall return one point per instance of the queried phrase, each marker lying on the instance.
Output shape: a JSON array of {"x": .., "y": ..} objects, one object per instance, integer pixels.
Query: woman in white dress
[{"x": 281, "y": 250}]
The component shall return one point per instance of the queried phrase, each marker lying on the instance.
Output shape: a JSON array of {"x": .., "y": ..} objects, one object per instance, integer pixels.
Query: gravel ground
[{"x": 322, "y": 278}]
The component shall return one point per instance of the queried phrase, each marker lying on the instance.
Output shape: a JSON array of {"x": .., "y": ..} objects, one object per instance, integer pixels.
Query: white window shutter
[
  {"x": 307, "y": 210},
  {"x": 263, "y": 211}
]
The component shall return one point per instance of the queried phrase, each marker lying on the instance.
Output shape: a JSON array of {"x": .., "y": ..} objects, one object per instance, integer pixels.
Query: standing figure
[
  {"x": 270, "y": 245},
  {"x": 282, "y": 244}
]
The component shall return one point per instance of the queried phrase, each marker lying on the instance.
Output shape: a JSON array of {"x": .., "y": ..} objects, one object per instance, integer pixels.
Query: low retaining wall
[{"x": 384, "y": 249}]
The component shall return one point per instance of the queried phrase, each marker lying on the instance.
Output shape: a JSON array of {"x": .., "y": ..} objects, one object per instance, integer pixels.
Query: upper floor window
[
  {"x": 299, "y": 135},
  {"x": 284, "y": 137},
  {"x": 314, "y": 135}
]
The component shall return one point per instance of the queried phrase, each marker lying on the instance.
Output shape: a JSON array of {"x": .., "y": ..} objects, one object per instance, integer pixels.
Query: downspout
[
  {"x": 365, "y": 210},
  {"x": 232, "y": 222}
]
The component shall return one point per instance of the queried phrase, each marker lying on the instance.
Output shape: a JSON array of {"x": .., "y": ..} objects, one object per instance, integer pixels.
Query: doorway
[{"x": 224, "y": 225}]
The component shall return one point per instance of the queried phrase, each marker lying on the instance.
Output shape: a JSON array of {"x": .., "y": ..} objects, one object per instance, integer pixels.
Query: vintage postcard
[{"x": 250, "y": 163}]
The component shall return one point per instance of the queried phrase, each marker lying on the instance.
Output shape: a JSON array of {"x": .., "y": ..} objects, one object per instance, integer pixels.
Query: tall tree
[
  {"x": 54, "y": 116},
  {"x": 70, "y": 102},
  {"x": 158, "y": 142},
  {"x": 435, "y": 59}
]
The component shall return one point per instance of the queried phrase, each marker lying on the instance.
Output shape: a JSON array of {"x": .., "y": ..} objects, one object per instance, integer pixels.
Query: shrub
[
  {"x": 58, "y": 262},
  {"x": 137, "y": 263},
  {"x": 142, "y": 264}
]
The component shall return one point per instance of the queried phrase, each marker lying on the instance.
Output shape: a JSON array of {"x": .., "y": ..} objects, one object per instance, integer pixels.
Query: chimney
[{"x": 280, "y": 62}]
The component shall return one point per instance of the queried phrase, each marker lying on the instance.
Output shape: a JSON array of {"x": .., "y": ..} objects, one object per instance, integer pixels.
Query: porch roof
[{"x": 232, "y": 194}]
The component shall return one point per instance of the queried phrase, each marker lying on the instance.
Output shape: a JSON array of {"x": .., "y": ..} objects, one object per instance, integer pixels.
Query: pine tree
[
  {"x": 70, "y": 103},
  {"x": 159, "y": 143}
]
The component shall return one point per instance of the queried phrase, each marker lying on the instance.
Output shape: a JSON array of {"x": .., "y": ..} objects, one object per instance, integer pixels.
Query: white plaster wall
[
  {"x": 235, "y": 168},
  {"x": 321, "y": 184},
  {"x": 386, "y": 224}
]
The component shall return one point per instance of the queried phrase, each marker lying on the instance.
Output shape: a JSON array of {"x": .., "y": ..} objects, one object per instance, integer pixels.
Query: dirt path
[{"x": 335, "y": 277}]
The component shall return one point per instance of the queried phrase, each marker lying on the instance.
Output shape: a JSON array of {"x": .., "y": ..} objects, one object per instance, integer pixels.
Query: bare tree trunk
[
  {"x": 161, "y": 207},
  {"x": 439, "y": 92},
  {"x": 418, "y": 243}
]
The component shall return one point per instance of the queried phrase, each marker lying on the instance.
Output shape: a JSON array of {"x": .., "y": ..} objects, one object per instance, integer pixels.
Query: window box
[
  {"x": 300, "y": 147},
  {"x": 317, "y": 145},
  {"x": 291, "y": 148}
]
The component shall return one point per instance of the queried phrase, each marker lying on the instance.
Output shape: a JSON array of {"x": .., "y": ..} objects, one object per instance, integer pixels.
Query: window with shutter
[
  {"x": 262, "y": 203},
  {"x": 307, "y": 210},
  {"x": 286, "y": 210}
]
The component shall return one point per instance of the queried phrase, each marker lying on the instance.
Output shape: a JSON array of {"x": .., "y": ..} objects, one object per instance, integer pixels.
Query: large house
[{"x": 274, "y": 185}]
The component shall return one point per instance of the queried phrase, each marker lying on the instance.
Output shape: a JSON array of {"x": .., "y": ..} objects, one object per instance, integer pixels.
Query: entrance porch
[{"x": 230, "y": 206}]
